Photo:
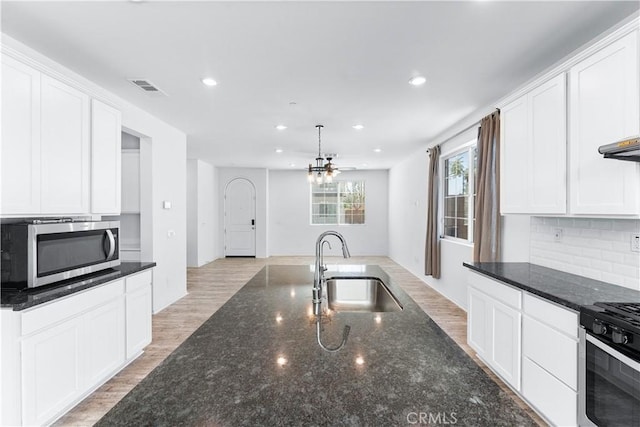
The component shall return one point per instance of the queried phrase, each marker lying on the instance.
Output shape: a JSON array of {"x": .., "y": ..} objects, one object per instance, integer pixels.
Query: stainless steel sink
[{"x": 360, "y": 294}]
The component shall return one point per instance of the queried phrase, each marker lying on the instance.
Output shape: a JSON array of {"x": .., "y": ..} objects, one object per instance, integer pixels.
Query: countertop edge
[
  {"x": 124, "y": 270},
  {"x": 519, "y": 285}
]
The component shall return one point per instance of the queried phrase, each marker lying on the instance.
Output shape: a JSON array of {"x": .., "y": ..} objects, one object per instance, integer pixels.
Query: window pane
[{"x": 338, "y": 203}]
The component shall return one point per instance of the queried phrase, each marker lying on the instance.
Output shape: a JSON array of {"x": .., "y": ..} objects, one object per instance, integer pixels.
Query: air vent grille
[{"x": 147, "y": 86}]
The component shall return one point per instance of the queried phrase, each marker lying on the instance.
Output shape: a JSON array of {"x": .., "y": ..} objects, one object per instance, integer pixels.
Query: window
[
  {"x": 338, "y": 203},
  {"x": 458, "y": 178}
]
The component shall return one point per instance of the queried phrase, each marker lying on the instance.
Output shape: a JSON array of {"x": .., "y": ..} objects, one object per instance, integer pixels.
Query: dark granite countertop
[
  {"x": 227, "y": 372},
  {"x": 20, "y": 300},
  {"x": 566, "y": 289}
]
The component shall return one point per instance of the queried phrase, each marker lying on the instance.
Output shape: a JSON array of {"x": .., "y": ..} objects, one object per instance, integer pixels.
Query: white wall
[
  {"x": 260, "y": 179},
  {"x": 167, "y": 247},
  {"x": 407, "y": 228},
  {"x": 290, "y": 231},
  {"x": 202, "y": 215}
]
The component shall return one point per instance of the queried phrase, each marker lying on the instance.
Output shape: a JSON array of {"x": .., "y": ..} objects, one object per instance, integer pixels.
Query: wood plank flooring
[{"x": 210, "y": 286}]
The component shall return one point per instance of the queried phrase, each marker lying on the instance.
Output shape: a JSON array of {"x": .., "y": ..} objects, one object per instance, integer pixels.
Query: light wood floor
[{"x": 210, "y": 286}]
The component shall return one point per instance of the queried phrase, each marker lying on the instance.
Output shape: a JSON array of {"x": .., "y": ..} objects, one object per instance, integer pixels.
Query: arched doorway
[{"x": 240, "y": 218}]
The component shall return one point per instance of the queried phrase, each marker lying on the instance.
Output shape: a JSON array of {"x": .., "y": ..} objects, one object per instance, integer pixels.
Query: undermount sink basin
[{"x": 360, "y": 294}]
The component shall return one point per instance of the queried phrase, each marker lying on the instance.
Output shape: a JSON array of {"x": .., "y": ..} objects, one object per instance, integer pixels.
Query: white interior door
[{"x": 239, "y": 218}]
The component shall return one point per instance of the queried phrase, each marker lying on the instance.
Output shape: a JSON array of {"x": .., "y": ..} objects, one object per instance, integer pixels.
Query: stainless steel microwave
[{"x": 40, "y": 253}]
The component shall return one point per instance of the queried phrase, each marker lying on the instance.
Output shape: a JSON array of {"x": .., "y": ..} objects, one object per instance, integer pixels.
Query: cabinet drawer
[
  {"x": 60, "y": 309},
  {"x": 552, "y": 350},
  {"x": 555, "y": 400},
  {"x": 560, "y": 318},
  {"x": 138, "y": 281},
  {"x": 497, "y": 290}
]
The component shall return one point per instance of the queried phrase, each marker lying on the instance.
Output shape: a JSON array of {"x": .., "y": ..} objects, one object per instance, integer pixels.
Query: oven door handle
[
  {"x": 112, "y": 243},
  {"x": 613, "y": 353}
]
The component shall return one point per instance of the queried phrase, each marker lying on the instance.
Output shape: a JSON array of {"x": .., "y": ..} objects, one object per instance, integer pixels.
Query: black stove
[{"x": 615, "y": 323}]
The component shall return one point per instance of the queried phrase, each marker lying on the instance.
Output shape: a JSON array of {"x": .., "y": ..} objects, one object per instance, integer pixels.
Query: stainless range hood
[{"x": 627, "y": 149}]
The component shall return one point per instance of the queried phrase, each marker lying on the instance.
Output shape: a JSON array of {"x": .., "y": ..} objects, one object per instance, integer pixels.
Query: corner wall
[{"x": 202, "y": 214}]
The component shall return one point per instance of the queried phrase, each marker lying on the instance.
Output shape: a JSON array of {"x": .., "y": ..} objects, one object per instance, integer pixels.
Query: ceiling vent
[{"x": 148, "y": 87}]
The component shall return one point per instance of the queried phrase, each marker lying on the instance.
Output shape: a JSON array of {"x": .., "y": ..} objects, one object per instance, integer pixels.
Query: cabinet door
[
  {"x": 51, "y": 372},
  {"x": 106, "y": 131},
  {"x": 505, "y": 342},
  {"x": 547, "y": 148},
  {"x": 514, "y": 157},
  {"x": 138, "y": 320},
  {"x": 64, "y": 149},
  {"x": 104, "y": 340},
  {"x": 604, "y": 105},
  {"x": 478, "y": 326},
  {"x": 20, "y": 138}
]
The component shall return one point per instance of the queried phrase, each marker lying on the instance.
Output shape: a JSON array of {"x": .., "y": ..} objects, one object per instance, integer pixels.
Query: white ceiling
[{"x": 341, "y": 63}]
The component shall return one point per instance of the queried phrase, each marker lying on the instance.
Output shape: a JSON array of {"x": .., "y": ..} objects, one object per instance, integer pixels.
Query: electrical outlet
[
  {"x": 635, "y": 242},
  {"x": 557, "y": 235}
]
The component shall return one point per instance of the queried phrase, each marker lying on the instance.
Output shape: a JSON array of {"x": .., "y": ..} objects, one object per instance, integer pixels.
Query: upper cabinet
[
  {"x": 105, "y": 158},
  {"x": 533, "y": 151},
  {"x": 604, "y": 107},
  {"x": 64, "y": 148},
  {"x": 59, "y": 156},
  {"x": 20, "y": 138}
]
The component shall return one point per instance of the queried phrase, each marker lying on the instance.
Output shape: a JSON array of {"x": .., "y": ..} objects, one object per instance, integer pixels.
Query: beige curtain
[
  {"x": 432, "y": 250},
  {"x": 486, "y": 233}
]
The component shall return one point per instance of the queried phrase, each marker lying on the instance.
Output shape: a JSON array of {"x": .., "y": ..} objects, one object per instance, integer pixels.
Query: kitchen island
[{"x": 256, "y": 362}]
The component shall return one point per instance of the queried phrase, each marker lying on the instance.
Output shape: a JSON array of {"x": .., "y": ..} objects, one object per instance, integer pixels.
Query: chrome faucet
[
  {"x": 318, "y": 281},
  {"x": 318, "y": 275}
]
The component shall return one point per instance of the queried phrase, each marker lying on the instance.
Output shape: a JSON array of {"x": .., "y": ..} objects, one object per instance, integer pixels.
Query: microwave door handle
[{"x": 112, "y": 243}]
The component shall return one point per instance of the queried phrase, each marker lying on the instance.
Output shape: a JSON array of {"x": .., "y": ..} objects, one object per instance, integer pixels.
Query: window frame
[
  {"x": 338, "y": 204},
  {"x": 468, "y": 147}
]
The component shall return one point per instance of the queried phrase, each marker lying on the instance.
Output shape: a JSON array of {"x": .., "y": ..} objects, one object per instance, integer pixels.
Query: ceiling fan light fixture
[{"x": 322, "y": 172}]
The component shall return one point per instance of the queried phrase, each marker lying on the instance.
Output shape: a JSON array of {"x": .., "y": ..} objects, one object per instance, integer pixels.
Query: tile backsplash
[{"x": 591, "y": 247}]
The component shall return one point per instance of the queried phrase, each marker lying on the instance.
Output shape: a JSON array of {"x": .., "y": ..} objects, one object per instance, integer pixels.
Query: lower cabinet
[
  {"x": 57, "y": 353},
  {"x": 528, "y": 342},
  {"x": 494, "y": 327},
  {"x": 139, "y": 311}
]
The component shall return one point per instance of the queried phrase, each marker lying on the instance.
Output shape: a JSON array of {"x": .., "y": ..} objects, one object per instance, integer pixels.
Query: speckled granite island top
[
  {"x": 21, "y": 300},
  {"x": 566, "y": 289},
  {"x": 256, "y": 362}
]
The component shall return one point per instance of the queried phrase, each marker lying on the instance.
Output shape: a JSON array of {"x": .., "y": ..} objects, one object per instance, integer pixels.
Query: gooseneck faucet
[
  {"x": 318, "y": 281},
  {"x": 318, "y": 275}
]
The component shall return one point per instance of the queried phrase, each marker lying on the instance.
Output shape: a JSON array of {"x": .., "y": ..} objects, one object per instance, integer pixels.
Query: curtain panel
[
  {"x": 432, "y": 249},
  {"x": 486, "y": 233}
]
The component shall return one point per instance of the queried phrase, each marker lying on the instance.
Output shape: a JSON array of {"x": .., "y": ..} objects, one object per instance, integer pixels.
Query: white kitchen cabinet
[
  {"x": 20, "y": 137},
  {"x": 64, "y": 148},
  {"x": 55, "y": 353},
  {"x": 494, "y": 326},
  {"x": 533, "y": 151},
  {"x": 604, "y": 107},
  {"x": 104, "y": 341},
  {"x": 106, "y": 131},
  {"x": 139, "y": 310},
  {"x": 531, "y": 343},
  {"x": 51, "y": 371}
]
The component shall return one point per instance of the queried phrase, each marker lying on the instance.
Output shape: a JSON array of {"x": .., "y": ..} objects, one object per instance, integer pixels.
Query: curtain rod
[{"x": 462, "y": 131}]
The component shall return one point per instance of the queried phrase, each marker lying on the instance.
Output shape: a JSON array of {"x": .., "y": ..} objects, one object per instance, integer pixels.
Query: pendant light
[{"x": 322, "y": 172}]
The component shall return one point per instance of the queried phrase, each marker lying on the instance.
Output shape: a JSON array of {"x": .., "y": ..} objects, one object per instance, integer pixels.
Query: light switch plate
[{"x": 635, "y": 242}]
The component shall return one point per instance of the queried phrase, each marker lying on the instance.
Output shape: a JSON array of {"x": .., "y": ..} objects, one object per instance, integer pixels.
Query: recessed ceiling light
[
  {"x": 417, "y": 81},
  {"x": 278, "y": 150},
  {"x": 208, "y": 81},
  {"x": 358, "y": 127},
  {"x": 364, "y": 165},
  {"x": 377, "y": 150},
  {"x": 292, "y": 165},
  {"x": 281, "y": 127}
]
